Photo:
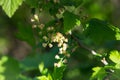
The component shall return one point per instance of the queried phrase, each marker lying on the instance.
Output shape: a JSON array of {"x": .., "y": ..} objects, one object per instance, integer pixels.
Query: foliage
[
  {"x": 99, "y": 73},
  {"x": 62, "y": 37},
  {"x": 70, "y": 20},
  {"x": 10, "y": 6},
  {"x": 8, "y": 71},
  {"x": 100, "y": 30}
]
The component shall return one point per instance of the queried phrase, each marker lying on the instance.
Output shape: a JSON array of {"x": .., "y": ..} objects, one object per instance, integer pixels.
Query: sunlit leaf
[
  {"x": 45, "y": 77},
  {"x": 42, "y": 78},
  {"x": 42, "y": 69},
  {"x": 10, "y": 6},
  {"x": 117, "y": 66},
  {"x": 98, "y": 74},
  {"x": 115, "y": 56}
]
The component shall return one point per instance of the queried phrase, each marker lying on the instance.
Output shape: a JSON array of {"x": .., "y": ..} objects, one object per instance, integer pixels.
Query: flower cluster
[
  {"x": 62, "y": 42},
  {"x": 62, "y": 45},
  {"x": 51, "y": 37}
]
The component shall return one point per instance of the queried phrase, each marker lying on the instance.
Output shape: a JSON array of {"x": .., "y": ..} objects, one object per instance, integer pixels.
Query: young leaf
[
  {"x": 42, "y": 78},
  {"x": 115, "y": 56},
  {"x": 45, "y": 77},
  {"x": 10, "y": 6},
  {"x": 98, "y": 74},
  {"x": 70, "y": 20},
  {"x": 42, "y": 69}
]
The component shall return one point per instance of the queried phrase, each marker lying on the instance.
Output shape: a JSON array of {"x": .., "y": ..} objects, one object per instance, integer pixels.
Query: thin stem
[{"x": 103, "y": 60}]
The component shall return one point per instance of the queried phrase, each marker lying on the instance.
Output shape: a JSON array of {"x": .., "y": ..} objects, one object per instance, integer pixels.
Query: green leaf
[
  {"x": 10, "y": 6},
  {"x": 98, "y": 74},
  {"x": 115, "y": 56},
  {"x": 9, "y": 68},
  {"x": 100, "y": 31},
  {"x": 70, "y": 20}
]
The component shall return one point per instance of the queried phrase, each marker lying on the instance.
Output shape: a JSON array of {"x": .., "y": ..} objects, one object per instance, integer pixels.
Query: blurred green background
[{"x": 79, "y": 65}]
